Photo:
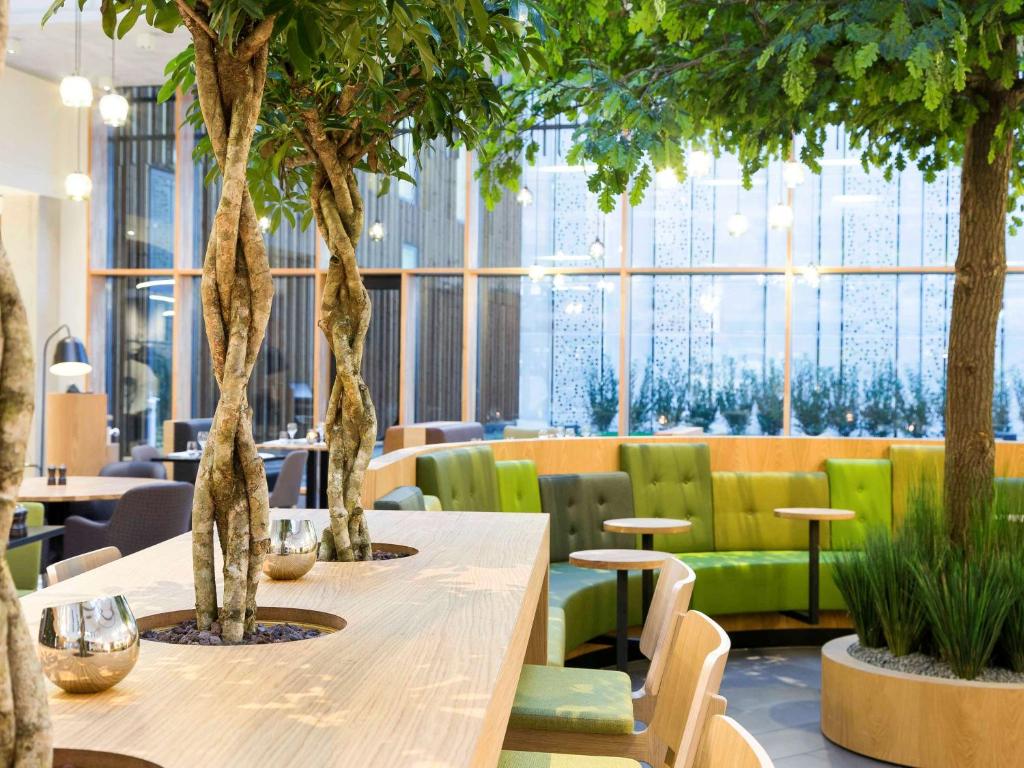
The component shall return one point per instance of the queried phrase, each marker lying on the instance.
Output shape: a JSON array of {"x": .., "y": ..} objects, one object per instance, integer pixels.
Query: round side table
[
  {"x": 814, "y": 516},
  {"x": 622, "y": 561},
  {"x": 646, "y": 527}
]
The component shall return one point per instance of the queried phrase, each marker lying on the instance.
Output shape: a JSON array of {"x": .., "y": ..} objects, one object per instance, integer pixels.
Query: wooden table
[
  {"x": 316, "y": 467},
  {"x": 646, "y": 527},
  {"x": 814, "y": 516},
  {"x": 622, "y": 561},
  {"x": 423, "y": 676},
  {"x": 80, "y": 488},
  {"x": 36, "y": 533},
  {"x": 194, "y": 457}
]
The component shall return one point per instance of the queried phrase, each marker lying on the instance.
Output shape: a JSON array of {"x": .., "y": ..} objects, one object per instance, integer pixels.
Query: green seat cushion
[
  {"x": 432, "y": 504},
  {"x": 579, "y": 505},
  {"x": 24, "y": 562},
  {"x": 917, "y": 473},
  {"x": 518, "y": 490},
  {"x": 572, "y": 699},
  {"x": 464, "y": 479},
  {"x": 404, "y": 497},
  {"x": 745, "y": 504},
  {"x": 865, "y": 486},
  {"x": 757, "y": 581},
  {"x": 510, "y": 759},
  {"x": 586, "y": 596},
  {"x": 673, "y": 481},
  {"x": 556, "y": 636}
]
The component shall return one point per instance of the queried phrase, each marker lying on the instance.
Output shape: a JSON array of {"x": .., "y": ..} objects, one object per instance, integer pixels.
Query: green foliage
[
  {"x": 811, "y": 397},
  {"x": 735, "y": 397},
  {"x": 641, "y": 403},
  {"x": 768, "y": 397},
  {"x": 883, "y": 407},
  {"x": 603, "y": 395},
  {"x": 1001, "y": 407},
  {"x": 915, "y": 407},
  {"x": 670, "y": 397},
  {"x": 889, "y": 562},
  {"x": 701, "y": 406},
  {"x": 844, "y": 402},
  {"x": 850, "y": 572}
]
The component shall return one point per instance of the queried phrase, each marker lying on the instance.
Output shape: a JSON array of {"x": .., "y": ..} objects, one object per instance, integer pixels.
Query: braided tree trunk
[
  {"x": 24, "y": 714},
  {"x": 351, "y": 424},
  {"x": 231, "y": 487}
]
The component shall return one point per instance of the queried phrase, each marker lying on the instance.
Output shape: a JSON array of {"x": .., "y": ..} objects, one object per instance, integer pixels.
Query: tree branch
[
  {"x": 189, "y": 14},
  {"x": 256, "y": 40}
]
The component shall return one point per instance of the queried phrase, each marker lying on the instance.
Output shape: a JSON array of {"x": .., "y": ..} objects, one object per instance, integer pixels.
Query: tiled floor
[{"x": 774, "y": 694}]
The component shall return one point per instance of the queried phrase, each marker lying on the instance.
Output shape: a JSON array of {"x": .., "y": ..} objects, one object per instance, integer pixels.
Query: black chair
[
  {"x": 102, "y": 510},
  {"x": 182, "y": 433},
  {"x": 144, "y": 516},
  {"x": 289, "y": 481}
]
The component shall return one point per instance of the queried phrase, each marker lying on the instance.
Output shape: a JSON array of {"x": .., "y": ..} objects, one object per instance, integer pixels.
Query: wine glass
[
  {"x": 293, "y": 429},
  {"x": 191, "y": 447},
  {"x": 203, "y": 438}
]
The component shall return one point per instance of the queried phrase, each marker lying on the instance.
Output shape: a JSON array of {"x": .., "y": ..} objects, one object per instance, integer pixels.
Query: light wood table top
[
  {"x": 647, "y": 525},
  {"x": 81, "y": 488},
  {"x": 618, "y": 559},
  {"x": 299, "y": 444},
  {"x": 423, "y": 676},
  {"x": 814, "y": 513}
]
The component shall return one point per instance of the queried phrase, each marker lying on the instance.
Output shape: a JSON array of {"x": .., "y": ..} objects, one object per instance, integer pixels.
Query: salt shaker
[
  {"x": 62, "y": 474},
  {"x": 51, "y": 475}
]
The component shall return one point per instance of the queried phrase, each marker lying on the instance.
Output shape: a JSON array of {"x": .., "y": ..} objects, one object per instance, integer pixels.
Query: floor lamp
[{"x": 69, "y": 359}]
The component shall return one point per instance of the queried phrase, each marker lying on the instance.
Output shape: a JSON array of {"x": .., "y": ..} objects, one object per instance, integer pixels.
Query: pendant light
[
  {"x": 78, "y": 185},
  {"x": 376, "y": 231},
  {"x": 597, "y": 250},
  {"x": 76, "y": 90},
  {"x": 114, "y": 106},
  {"x": 738, "y": 222},
  {"x": 524, "y": 197},
  {"x": 780, "y": 215},
  {"x": 699, "y": 163}
]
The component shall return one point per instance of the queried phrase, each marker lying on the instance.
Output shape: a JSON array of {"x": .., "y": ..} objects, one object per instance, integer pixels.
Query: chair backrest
[
  {"x": 150, "y": 469},
  {"x": 73, "y": 566},
  {"x": 464, "y": 479},
  {"x": 150, "y": 514},
  {"x": 578, "y": 506},
  {"x": 518, "y": 490},
  {"x": 289, "y": 480},
  {"x": 145, "y": 452},
  {"x": 24, "y": 561},
  {"x": 693, "y": 673},
  {"x": 671, "y": 599},
  {"x": 404, "y": 497},
  {"x": 727, "y": 743}
]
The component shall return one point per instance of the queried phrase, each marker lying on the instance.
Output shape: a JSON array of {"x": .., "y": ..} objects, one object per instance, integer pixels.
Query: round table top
[
  {"x": 619, "y": 559},
  {"x": 814, "y": 513},
  {"x": 81, "y": 488},
  {"x": 647, "y": 525},
  {"x": 194, "y": 457}
]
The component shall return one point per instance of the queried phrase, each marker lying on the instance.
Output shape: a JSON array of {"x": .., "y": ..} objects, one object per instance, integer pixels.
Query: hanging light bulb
[
  {"x": 113, "y": 106},
  {"x": 738, "y": 224},
  {"x": 75, "y": 90},
  {"x": 376, "y": 231},
  {"x": 524, "y": 196},
  {"x": 264, "y": 224},
  {"x": 811, "y": 275},
  {"x": 536, "y": 273},
  {"x": 665, "y": 178},
  {"x": 78, "y": 186},
  {"x": 699, "y": 163},
  {"x": 558, "y": 282},
  {"x": 780, "y": 216},
  {"x": 792, "y": 174},
  {"x": 597, "y": 249}
]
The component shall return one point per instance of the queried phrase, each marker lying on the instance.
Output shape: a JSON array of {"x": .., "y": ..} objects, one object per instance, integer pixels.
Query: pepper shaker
[
  {"x": 62, "y": 474},
  {"x": 51, "y": 475}
]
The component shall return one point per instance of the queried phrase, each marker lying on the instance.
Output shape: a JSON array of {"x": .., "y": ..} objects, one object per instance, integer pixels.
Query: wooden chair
[
  {"x": 727, "y": 744},
  {"x": 694, "y": 665},
  {"x": 74, "y": 566}
]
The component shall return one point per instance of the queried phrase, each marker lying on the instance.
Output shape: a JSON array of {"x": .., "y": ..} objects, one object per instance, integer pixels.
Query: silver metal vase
[{"x": 293, "y": 548}]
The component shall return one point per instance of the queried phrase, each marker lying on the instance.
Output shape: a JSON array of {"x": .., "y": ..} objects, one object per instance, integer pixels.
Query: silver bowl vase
[
  {"x": 88, "y": 646},
  {"x": 293, "y": 548}
]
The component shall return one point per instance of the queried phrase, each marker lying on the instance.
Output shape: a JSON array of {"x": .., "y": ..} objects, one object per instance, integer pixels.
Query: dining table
[{"x": 316, "y": 465}]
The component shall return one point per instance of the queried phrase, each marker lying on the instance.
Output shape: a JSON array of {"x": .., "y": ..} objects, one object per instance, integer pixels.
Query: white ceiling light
[
  {"x": 738, "y": 224},
  {"x": 792, "y": 174},
  {"x": 154, "y": 283},
  {"x": 524, "y": 197},
  {"x": 75, "y": 90},
  {"x": 536, "y": 273},
  {"x": 558, "y": 282},
  {"x": 78, "y": 186},
  {"x": 811, "y": 275},
  {"x": 114, "y": 106},
  {"x": 665, "y": 178},
  {"x": 376, "y": 231},
  {"x": 264, "y": 224},
  {"x": 699, "y": 163},
  {"x": 597, "y": 249},
  {"x": 780, "y": 216}
]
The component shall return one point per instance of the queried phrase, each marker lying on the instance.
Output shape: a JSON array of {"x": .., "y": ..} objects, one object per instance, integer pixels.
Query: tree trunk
[
  {"x": 351, "y": 423},
  {"x": 24, "y": 712},
  {"x": 237, "y": 291},
  {"x": 977, "y": 301}
]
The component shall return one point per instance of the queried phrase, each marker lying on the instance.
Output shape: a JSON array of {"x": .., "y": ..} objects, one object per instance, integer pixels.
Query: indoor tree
[
  {"x": 934, "y": 83},
  {"x": 339, "y": 93}
]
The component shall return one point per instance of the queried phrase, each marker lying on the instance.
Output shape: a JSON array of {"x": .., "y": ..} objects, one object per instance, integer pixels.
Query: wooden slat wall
[
  {"x": 438, "y": 367},
  {"x": 498, "y": 342}
]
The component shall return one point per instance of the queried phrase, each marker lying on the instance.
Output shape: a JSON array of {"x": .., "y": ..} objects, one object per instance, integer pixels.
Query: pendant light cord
[
  {"x": 113, "y": 64},
  {"x": 78, "y": 39}
]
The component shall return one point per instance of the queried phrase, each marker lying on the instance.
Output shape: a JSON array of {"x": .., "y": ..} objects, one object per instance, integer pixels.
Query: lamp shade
[{"x": 69, "y": 358}]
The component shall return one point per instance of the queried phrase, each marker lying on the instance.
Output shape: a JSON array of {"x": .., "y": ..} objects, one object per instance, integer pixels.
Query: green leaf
[{"x": 128, "y": 20}]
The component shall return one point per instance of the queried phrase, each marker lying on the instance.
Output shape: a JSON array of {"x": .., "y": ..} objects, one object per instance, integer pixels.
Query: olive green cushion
[
  {"x": 579, "y": 505},
  {"x": 511, "y": 759},
  {"x": 518, "y": 490},
  {"x": 24, "y": 562},
  {"x": 917, "y": 474},
  {"x": 587, "y": 598},
  {"x": 745, "y": 504},
  {"x": 571, "y": 699},
  {"x": 757, "y": 581},
  {"x": 432, "y": 503},
  {"x": 556, "y": 635},
  {"x": 404, "y": 497},
  {"x": 673, "y": 481},
  {"x": 864, "y": 486},
  {"x": 464, "y": 479}
]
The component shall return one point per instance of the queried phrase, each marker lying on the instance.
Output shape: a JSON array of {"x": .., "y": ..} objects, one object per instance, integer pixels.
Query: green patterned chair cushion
[
  {"x": 510, "y": 759},
  {"x": 518, "y": 490},
  {"x": 24, "y": 562},
  {"x": 917, "y": 472},
  {"x": 745, "y": 504},
  {"x": 432, "y": 503},
  {"x": 865, "y": 486},
  {"x": 556, "y": 635},
  {"x": 464, "y": 479},
  {"x": 579, "y": 505},
  {"x": 674, "y": 481},
  {"x": 572, "y": 699},
  {"x": 757, "y": 581},
  {"x": 587, "y": 598}
]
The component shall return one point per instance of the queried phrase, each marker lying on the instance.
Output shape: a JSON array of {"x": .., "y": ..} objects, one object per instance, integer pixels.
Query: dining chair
[
  {"x": 102, "y": 510},
  {"x": 727, "y": 743},
  {"x": 289, "y": 481},
  {"x": 73, "y": 566},
  {"x": 694, "y": 665},
  {"x": 144, "y": 516},
  {"x": 24, "y": 561},
  {"x": 600, "y": 700},
  {"x": 145, "y": 452}
]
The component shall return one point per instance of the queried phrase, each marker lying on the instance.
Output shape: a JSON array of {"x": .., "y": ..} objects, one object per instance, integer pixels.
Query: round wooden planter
[{"x": 915, "y": 720}]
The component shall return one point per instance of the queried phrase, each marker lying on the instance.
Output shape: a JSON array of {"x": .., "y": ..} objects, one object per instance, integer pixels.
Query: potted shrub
[
  {"x": 603, "y": 396},
  {"x": 700, "y": 400},
  {"x": 734, "y": 398},
  {"x": 844, "y": 401},
  {"x": 883, "y": 403},
  {"x": 811, "y": 397},
  {"x": 768, "y": 399}
]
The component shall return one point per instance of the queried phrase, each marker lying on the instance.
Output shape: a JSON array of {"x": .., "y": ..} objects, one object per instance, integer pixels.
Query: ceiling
[{"x": 49, "y": 52}]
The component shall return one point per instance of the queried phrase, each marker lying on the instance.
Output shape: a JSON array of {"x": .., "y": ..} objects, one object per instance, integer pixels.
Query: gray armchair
[
  {"x": 102, "y": 510},
  {"x": 289, "y": 481},
  {"x": 144, "y": 516}
]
